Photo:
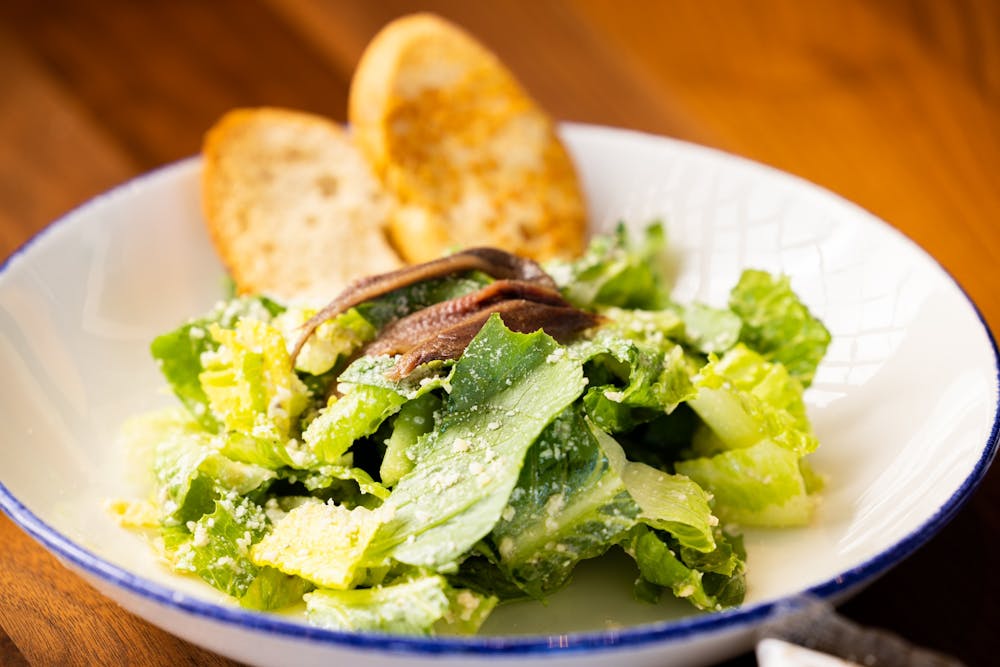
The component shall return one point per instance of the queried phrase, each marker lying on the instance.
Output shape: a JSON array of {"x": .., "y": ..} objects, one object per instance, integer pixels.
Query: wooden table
[{"x": 893, "y": 104}]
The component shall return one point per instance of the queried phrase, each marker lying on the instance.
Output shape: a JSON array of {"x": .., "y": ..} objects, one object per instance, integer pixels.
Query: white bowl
[{"x": 905, "y": 404}]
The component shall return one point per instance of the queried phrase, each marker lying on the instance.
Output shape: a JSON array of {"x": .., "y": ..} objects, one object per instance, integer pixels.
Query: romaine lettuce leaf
[
  {"x": 368, "y": 399},
  {"x": 659, "y": 565},
  {"x": 778, "y": 325},
  {"x": 190, "y": 472},
  {"x": 649, "y": 327},
  {"x": 178, "y": 353},
  {"x": 415, "y": 419},
  {"x": 701, "y": 328},
  {"x": 577, "y": 495},
  {"x": 657, "y": 384},
  {"x": 273, "y": 589},
  {"x": 327, "y": 481},
  {"x": 709, "y": 330},
  {"x": 760, "y": 485},
  {"x": 332, "y": 340},
  {"x": 418, "y": 606},
  {"x": 615, "y": 270},
  {"x": 505, "y": 389},
  {"x": 632, "y": 383},
  {"x": 672, "y": 503},
  {"x": 481, "y": 573},
  {"x": 467, "y": 610},
  {"x": 709, "y": 581},
  {"x": 744, "y": 399},
  {"x": 321, "y": 542},
  {"x": 663, "y": 440},
  {"x": 254, "y": 394},
  {"x": 249, "y": 381},
  {"x": 569, "y": 504},
  {"x": 216, "y": 547},
  {"x": 355, "y": 414}
]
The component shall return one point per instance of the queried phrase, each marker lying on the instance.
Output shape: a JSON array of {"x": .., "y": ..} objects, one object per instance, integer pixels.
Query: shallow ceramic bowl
[{"x": 905, "y": 403}]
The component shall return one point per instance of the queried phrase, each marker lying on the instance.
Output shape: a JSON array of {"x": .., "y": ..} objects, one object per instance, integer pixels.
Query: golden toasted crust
[
  {"x": 291, "y": 205},
  {"x": 471, "y": 159}
]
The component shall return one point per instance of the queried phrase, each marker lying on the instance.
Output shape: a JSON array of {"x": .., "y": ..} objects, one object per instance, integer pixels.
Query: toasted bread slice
[
  {"x": 292, "y": 207},
  {"x": 470, "y": 157}
]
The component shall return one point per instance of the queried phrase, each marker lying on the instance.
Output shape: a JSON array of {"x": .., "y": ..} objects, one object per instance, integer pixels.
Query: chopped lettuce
[
  {"x": 709, "y": 582},
  {"x": 273, "y": 589},
  {"x": 416, "y": 505},
  {"x": 632, "y": 383},
  {"x": 190, "y": 472},
  {"x": 253, "y": 392},
  {"x": 743, "y": 399},
  {"x": 179, "y": 353},
  {"x": 321, "y": 478},
  {"x": 356, "y": 414},
  {"x": 778, "y": 325},
  {"x": 578, "y": 495},
  {"x": 416, "y": 418},
  {"x": 570, "y": 503},
  {"x": 760, "y": 485},
  {"x": 368, "y": 400},
  {"x": 321, "y": 542},
  {"x": 505, "y": 390},
  {"x": 673, "y": 503},
  {"x": 616, "y": 271},
  {"x": 332, "y": 341},
  {"x": 701, "y": 328},
  {"x": 709, "y": 330},
  {"x": 216, "y": 547},
  {"x": 416, "y": 606},
  {"x": 249, "y": 381}
]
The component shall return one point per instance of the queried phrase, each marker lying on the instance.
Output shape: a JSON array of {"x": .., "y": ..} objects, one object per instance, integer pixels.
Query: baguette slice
[
  {"x": 292, "y": 207},
  {"x": 471, "y": 159}
]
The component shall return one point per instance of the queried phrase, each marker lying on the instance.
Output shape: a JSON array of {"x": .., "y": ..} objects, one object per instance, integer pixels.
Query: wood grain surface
[{"x": 893, "y": 104}]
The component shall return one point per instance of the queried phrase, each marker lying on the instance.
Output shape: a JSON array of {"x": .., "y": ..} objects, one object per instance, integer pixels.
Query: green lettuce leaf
[
  {"x": 778, "y": 325},
  {"x": 249, "y": 382},
  {"x": 632, "y": 383},
  {"x": 744, "y": 399},
  {"x": 505, "y": 389},
  {"x": 661, "y": 567},
  {"x": 415, "y": 419},
  {"x": 273, "y": 589},
  {"x": 331, "y": 481},
  {"x": 321, "y": 542},
  {"x": 672, "y": 503},
  {"x": 332, "y": 341},
  {"x": 254, "y": 393},
  {"x": 178, "y": 353},
  {"x": 569, "y": 504},
  {"x": 481, "y": 572},
  {"x": 709, "y": 330},
  {"x": 760, "y": 485},
  {"x": 701, "y": 328},
  {"x": 357, "y": 413},
  {"x": 190, "y": 472},
  {"x": 216, "y": 547},
  {"x": 577, "y": 495},
  {"x": 615, "y": 270},
  {"x": 419, "y": 606}
]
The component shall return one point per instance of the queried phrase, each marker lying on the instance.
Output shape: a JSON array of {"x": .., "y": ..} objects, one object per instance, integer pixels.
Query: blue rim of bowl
[{"x": 734, "y": 620}]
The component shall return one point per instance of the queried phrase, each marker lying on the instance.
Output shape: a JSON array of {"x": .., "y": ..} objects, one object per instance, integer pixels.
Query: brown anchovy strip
[
  {"x": 521, "y": 315},
  {"x": 403, "y": 334},
  {"x": 491, "y": 261}
]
